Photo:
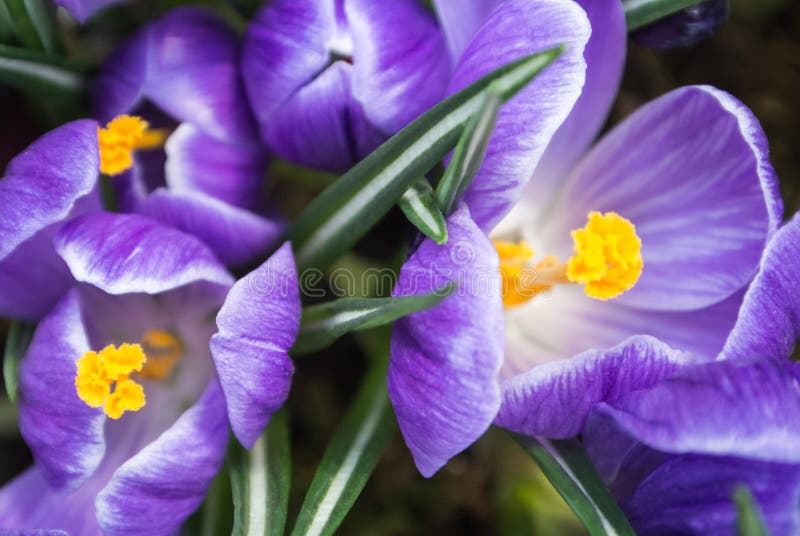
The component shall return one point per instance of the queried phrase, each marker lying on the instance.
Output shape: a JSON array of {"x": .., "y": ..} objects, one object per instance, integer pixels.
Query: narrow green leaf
[
  {"x": 322, "y": 324},
  {"x": 39, "y": 73},
  {"x": 572, "y": 474},
  {"x": 345, "y": 211},
  {"x": 469, "y": 153},
  {"x": 639, "y": 13},
  {"x": 19, "y": 337},
  {"x": 748, "y": 520},
  {"x": 421, "y": 209},
  {"x": 32, "y": 24},
  {"x": 349, "y": 460},
  {"x": 260, "y": 481}
]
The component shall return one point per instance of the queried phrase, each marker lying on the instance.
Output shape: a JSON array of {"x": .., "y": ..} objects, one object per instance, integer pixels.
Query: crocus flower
[
  {"x": 685, "y": 28},
  {"x": 119, "y": 399},
  {"x": 330, "y": 80},
  {"x": 657, "y": 230},
  {"x": 178, "y": 73}
]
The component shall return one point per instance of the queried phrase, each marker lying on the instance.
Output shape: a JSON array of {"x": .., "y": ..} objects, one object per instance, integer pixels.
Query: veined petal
[
  {"x": 186, "y": 63},
  {"x": 769, "y": 320},
  {"x": 43, "y": 182},
  {"x": 729, "y": 408},
  {"x": 231, "y": 172},
  {"x": 65, "y": 435},
  {"x": 257, "y": 325},
  {"x": 157, "y": 489},
  {"x": 124, "y": 253},
  {"x": 83, "y": 9},
  {"x": 691, "y": 171},
  {"x": 400, "y": 60},
  {"x": 526, "y": 124},
  {"x": 444, "y": 361},
  {"x": 235, "y": 235},
  {"x": 554, "y": 399}
]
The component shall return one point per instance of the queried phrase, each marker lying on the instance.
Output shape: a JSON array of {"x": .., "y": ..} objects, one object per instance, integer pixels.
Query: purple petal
[
  {"x": 30, "y": 507},
  {"x": 400, "y": 59},
  {"x": 233, "y": 234},
  {"x": 690, "y": 170},
  {"x": 123, "y": 253},
  {"x": 321, "y": 125},
  {"x": 525, "y": 124},
  {"x": 749, "y": 409},
  {"x": 233, "y": 173},
  {"x": 769, "y": 320},
  {"x": 65, "y": 435},
  {"x": 286, "y": 45},
  {"x": 156, "y": 490},
  {"x": 83, "y": 9},
  {"x": 186, "y": 63},
  {"x": 43, "y": 182},
  {"x": 444, "y": 361},
  {"x": 554, "y": 399},
  {"x": 605, "y": 58},
  {"x": 257, "y": 325},
  {"x": 461, "y": 20}
]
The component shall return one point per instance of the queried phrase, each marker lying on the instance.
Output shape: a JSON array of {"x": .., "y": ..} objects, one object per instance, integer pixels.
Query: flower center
[
  {"x": 103, "y": 379},
  {"x": 123, "y": 135},
  {"x": 607, "y": 259}
]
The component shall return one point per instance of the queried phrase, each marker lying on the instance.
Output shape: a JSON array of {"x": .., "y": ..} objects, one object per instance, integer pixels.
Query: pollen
[
  {"x": 523, "y": 279},
  {"x": 102, "y": 379},
  {"x": 607, "y": 256},
  {"x": 121, "y": 137},
  {"x": 164, "y": 350}
]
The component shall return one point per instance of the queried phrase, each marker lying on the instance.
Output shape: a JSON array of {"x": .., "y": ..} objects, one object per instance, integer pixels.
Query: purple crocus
[
  {"x": 657, "y": 230},
  {"x": 120, "y": 400}
]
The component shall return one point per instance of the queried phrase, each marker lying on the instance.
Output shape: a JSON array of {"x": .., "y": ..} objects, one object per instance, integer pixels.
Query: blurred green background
[{"x": 493, "y": 488}]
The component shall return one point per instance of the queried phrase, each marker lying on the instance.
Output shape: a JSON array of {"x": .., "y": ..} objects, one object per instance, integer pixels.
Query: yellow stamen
[
  {"x": 164, "y": 350},
  {"x": 607, "y": 256},
  {"x": 127, "y": 396},
  {"x": 607, "y": 260},
  {"x": 123, "y": 135}
]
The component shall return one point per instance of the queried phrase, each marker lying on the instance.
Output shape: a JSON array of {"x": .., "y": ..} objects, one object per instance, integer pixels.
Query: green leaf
[
  {"x": 748, "y": 520},
  {"x": 32, "y": 24},
  {"x": 421, "y": 209},
  {"x": 19, "y": 337},
  {"x": 324, "y": 323},
  {"x": 345, "y": 211},
  {"x": 639, "y": 13},
  {"x": 40, "y": 73},
  {"x": 469, "y": 153},
  {"x": 572, "y": 474},
  {"x": 260, "y": 481},
  {"x": 349, "y": 460}
]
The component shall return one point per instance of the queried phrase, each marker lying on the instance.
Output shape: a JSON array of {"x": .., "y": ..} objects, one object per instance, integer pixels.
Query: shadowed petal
[
  {"x": 83, "y": 9},
  {"x": 157, "y": 489},
  {"x": 257, "y": 325},
  {"x": 691, "y": 171},
  {"x": 554, "y": 399},
  {"x": 527, "y": 122},
  {"x": 461, "y": 20},
  {"x": 65, "y": 435},
  {"x": 769, "y": 320},
  {"x": 444, "y": 361},
  {"x": 123, "y": 253}
]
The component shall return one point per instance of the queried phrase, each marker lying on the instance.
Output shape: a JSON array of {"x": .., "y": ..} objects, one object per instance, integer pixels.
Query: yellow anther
[
  {"x": 164, "y": 350},
  {"x": 127, "y": 396},
  {"x": 122, "y": 360},
  {"x": 522, "y": 280},
  {"x": 91, "y": 381},
  {"x": 123, "y": 135},
  {"x": 607, "y": 256}
]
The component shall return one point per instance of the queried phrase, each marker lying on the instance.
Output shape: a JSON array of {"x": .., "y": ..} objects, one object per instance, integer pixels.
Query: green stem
[{"x": 639, "y": 13}]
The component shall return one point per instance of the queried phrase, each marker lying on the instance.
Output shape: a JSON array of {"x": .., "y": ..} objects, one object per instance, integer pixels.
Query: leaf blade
[
  {"x": 19, "y": 337},
  {"x": 39, "y": 73},
  {"x": 639, "y": 13},
  {"x": 749, "y": 521},
  {"x": 421, "y": 209}
]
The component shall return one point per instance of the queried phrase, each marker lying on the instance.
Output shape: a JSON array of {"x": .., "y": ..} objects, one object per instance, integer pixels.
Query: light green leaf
[
  {"x": 572, "y": 474},
  {"x": 469, "y": 153},
  {"x": 260, "y": 481},
  {"x": 748, "y": 520},
  {"x": 639, "y": 13},
  {"x": 349, "y": 460},
  {"x": 421, "y": 209},
  {"x": 322, "y": 324},
  {"x": 19, "y": 337},
  {"x": 39, "y": 73},
  {"x": 345, "y": 211},
  {"x": 32, "y": 24}
]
